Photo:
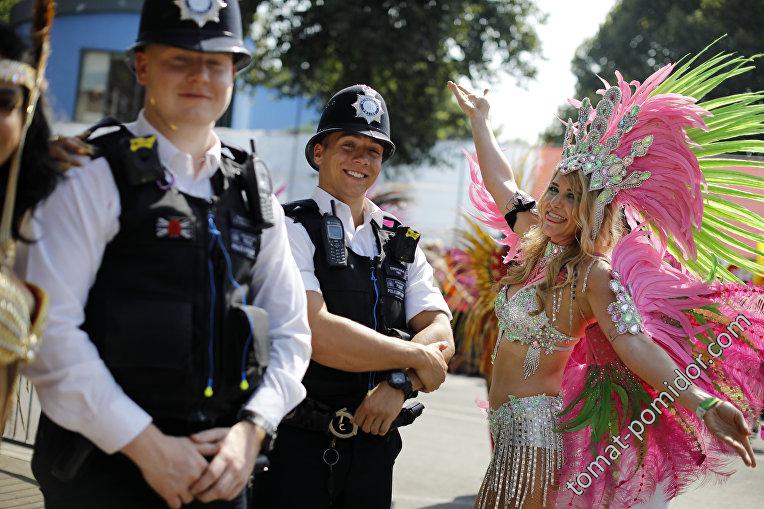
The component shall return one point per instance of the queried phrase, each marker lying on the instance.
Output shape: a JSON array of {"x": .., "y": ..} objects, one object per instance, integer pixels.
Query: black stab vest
[
  {"x": 167, "y": 320},
  {"x": 370, "y": 291}
]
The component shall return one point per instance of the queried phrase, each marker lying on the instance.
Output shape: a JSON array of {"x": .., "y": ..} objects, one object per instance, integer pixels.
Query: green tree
[
  {"x": 5, "y": 9},
  {"x": 406, "y": 50},
  {"x": 640, "y": 36}
]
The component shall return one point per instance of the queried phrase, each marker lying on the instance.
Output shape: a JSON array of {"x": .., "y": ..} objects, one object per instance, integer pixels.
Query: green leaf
[
  {"x": 733, "y": 211},
  {"x": 695, "y": 82},
  {"x": 732, "y": 178},
  {"x": 733, "y": 115},
  {"x": 731, "y": 191},
  {"x": 726, "y": 254},
  {"x": 733, "y": 228},
  {"x": 704, "y": 263},
  {"x": 684, "y": 78},
  {"x": 737, "y": 131},
  {"x": 728, "y": 147},
  {"x": 624, "y": 399},
  {"x": 715, "y": 163},
  {"x": 745, "y": 98},
  {"x": 702, "y": 89},
  {"x": 732, "y": 241}
]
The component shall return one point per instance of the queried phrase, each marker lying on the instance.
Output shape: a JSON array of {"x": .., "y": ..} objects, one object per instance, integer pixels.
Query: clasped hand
[
  {"x": 383, "y": 403},
  {"x": 431, "y": 367},
  {"x": 379, "y": 409},
  {"x": 177, "y": 468}
]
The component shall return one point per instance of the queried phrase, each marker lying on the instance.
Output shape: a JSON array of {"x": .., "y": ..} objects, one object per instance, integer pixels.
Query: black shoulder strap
[
  {"x": 133, "y": 161},
  {"x": 108, "y": 146},
  {"x": 307, "y": 213},
  {"x": 234, "y": 152},
  {"x": 300, "y": 207},
  {"x": 104, "y": 122},
  {"x": 107, "y": 142}
]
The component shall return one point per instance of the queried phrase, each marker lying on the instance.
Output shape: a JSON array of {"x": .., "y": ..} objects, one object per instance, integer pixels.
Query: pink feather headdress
[{"x": 635, "y": 150}]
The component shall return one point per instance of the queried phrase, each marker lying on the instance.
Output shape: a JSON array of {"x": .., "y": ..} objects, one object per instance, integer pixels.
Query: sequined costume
[
  {"x": 523, "y": 429},
  {"x": 646, "y": 148},
  {"x": 23, "y": 306},
  {"x": 516, "y": 323},
  {"x": 525, "y": 441}
]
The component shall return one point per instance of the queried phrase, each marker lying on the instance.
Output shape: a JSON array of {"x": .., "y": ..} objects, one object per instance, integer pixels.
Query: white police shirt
[
  {"x": 73, "y": 227},
  {"x": 421, "y": 292}
]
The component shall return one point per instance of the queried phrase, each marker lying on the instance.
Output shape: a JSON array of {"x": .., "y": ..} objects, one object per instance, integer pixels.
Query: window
[{"x": 106, "y": 87}]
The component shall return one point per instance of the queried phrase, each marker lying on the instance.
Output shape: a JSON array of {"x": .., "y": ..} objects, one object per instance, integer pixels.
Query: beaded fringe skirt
[{"x": 527, "y": 451}]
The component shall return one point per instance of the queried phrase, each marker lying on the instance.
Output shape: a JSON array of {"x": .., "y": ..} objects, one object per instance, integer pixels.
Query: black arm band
[{"x": 523, "y": 202}]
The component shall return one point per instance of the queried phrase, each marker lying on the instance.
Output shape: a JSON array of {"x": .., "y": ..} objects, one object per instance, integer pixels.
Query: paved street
[
  {"x": 446, "y": 452},
  {"x": 443, "y": 460}
]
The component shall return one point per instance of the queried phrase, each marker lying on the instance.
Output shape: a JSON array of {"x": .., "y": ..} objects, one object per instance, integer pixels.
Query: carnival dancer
[
  {"x": 27, "y": 176},
  {"x": 368, "y": 287},
  {"x": 606, "y": 386},
  {"x": 178, "y": 332}
]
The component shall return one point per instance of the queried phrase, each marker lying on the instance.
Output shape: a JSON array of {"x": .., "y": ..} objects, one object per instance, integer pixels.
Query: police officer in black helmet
[
  {"x": 172, "y": 289},
  {"x": 380, "y": 327}
]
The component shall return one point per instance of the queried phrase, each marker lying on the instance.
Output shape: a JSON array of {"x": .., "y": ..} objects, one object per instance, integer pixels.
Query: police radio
[
  {"x": 259, "y": 189},
  {"x": 333, "y": 234}
]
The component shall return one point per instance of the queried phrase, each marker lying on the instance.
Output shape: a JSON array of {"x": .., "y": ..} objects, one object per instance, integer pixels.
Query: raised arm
[
  {"x": 653, "y": 365},
  {"x": 494, "y": 166}
]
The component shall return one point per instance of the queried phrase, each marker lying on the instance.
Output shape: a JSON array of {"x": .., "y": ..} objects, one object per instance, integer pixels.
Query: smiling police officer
[
  {"x": 368, "y": 286},
  {"x": 172, "y": 289}
]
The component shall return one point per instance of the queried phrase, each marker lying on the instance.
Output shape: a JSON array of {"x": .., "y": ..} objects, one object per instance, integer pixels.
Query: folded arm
[{"x": 341, "y": 343}]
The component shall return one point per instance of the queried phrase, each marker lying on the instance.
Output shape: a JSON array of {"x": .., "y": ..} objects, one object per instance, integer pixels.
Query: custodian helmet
[
  {"x": 358, "y": 109},
  {"x": 209, "y": 26}
]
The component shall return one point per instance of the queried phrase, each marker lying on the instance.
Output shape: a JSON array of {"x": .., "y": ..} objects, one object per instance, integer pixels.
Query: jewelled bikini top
[{"x": 517, "y": 324}]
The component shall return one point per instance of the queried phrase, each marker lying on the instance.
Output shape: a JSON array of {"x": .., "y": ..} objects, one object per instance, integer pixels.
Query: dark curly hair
[{"x": 39, "y": 172}]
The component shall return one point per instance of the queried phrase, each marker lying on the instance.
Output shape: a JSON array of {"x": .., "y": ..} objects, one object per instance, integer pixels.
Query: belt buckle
[{"x": 342, "y": 425}]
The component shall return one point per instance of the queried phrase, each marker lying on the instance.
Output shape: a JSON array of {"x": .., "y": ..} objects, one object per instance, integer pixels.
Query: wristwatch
[
  {"x": 400, "y": 380},
  {"x": 260, "y": 421}
]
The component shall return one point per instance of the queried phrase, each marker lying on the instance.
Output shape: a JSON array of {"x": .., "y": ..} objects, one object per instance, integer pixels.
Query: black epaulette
[
  {"x": 138, "y": 156},
  {"x": 234, "y": 152},
  {"x": 108, "y": 141},
  {"x": 297, "y": 206}
]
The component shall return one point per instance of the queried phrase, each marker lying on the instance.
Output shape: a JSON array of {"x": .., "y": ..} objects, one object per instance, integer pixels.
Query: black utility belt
[{"x": 312, "y": 415}]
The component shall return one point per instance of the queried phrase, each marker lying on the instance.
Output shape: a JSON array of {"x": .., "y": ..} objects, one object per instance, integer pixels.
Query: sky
[{"x": 523, "y": 114}]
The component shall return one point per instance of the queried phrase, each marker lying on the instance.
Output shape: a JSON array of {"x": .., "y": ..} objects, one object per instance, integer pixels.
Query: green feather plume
[{"x": 736, "y": 128}]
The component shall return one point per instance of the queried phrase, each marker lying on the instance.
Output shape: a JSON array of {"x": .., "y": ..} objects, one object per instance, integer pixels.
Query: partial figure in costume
[
  {"x": 626, "y": 363},
  {"x": 27, "y": 176}
]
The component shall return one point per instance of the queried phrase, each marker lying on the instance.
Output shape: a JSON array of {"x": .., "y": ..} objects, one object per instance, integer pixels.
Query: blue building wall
[
  {"x": 73, "y": 34},
  {"x": 261, "y": 108},
  {"x": 257, "y": 108}
]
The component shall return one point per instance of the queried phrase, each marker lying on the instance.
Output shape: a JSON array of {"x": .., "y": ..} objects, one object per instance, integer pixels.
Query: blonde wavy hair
[{"x": 583, "y": 248}]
